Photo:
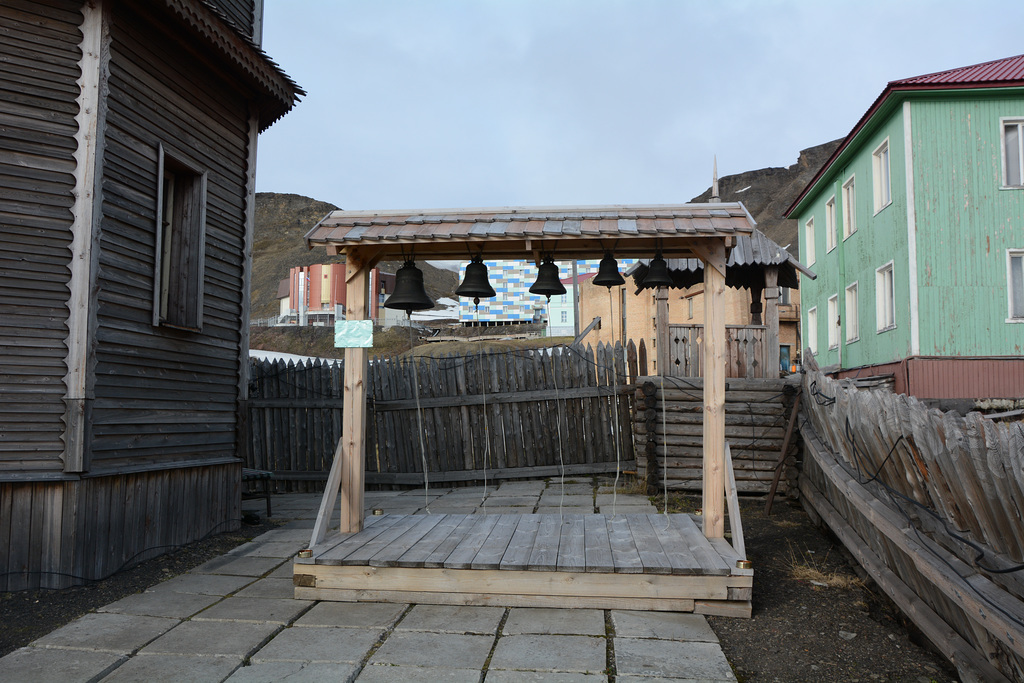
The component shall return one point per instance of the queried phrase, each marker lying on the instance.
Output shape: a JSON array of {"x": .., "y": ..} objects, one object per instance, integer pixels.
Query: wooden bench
[{"x": 263, "y": 480}]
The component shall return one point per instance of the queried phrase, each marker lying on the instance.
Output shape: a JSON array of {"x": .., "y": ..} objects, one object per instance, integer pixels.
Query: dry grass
[{"x": 807, "y": 566}]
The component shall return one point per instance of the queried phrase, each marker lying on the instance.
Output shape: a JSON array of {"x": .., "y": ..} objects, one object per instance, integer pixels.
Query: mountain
[
  {"x": 280, "y": 222},
  {"x": 768, "y": 192}
]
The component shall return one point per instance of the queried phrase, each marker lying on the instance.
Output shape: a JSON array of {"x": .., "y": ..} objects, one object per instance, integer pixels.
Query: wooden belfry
[{"x": 701, "y": 231}]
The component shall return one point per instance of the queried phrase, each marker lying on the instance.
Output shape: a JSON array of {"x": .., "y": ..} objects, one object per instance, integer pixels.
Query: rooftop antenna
[{"x": 715, "y": 199}]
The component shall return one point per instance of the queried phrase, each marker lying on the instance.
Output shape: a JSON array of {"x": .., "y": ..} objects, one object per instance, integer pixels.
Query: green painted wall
[{"x": 966, "y": 223}]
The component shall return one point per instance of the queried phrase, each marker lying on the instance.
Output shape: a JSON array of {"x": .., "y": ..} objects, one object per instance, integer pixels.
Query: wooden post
[
  {"x": 771, "y": 322},
  {"x": 713, "y": 255},
  {"x": 661, "y": 333},
  {"x": 347, "y": 470}
]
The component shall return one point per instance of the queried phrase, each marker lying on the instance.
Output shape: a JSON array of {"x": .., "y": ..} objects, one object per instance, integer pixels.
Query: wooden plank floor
[{"x": 635, "y": 561}]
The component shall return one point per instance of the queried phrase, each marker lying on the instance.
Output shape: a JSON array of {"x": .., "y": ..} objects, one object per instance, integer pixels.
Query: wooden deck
[{"x": 627, "y": 561}]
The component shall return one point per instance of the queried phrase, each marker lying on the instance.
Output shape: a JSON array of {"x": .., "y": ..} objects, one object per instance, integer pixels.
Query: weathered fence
[
  {"x": 669, "y": 427},
  {"x": 744, "y": 351},
  {"x": 931, "y": 505},
  {"x": 503, "y": 415}
]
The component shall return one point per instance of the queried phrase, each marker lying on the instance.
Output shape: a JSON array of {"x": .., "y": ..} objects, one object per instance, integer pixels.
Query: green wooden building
[{"x": 915, "y": 227}]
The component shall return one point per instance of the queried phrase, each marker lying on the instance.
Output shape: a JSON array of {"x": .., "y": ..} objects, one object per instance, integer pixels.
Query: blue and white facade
[{"x": 513, "y": 302}]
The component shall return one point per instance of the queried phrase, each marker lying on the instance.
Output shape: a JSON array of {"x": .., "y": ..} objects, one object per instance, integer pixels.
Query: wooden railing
[{"x": 745, "y": 351}]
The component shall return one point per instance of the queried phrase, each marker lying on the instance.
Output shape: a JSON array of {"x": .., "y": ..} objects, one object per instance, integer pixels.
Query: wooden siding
[
  {"x": 969, "y": 223},
  {"x": 163, "y": 394},
  {"x": 238, "y": 12},
  {"x": 59, "y": 534},
  {"x": 38, "y": 68}
]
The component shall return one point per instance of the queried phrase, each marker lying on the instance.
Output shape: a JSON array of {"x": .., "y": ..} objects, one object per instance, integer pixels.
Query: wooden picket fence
[
  {"x": 497, "y": 415},
  {"x": 930, "y": 503},
  {"x": 744, "y": 351}
]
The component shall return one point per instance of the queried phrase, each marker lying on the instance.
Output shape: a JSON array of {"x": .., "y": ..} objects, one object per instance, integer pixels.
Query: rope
[
  {"x": 558, "y": 424},
  {"x": 419, "y": 418},
  {"x": 615, "y": 404}
]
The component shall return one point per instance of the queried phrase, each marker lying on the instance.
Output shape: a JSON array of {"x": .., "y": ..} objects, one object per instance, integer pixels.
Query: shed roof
[
  {"x": 744, "y": 267},
  {"x": 518, "y": 232},
  {"x": 1000, "y": 73}
]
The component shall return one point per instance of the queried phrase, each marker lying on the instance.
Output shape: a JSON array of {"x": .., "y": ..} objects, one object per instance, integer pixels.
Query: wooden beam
[
  {"x": 661, "y": 332},
  {"x": 771, "y": 322},
  {"x": 714, "y": 392},
  {"x": 348, "y": 466}
]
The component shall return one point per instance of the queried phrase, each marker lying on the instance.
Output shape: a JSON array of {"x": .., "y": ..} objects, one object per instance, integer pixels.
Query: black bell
[
  {"x": 475, "y": 283},
  {"x": 409, "y": 294},
  {"x": 548, "y": 283},
  {"x": 608, "y": 274},
  {"x": 657, "y": 273}
]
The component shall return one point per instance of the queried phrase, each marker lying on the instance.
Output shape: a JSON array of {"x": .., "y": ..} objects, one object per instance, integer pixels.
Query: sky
[{"x": 418, "y": 104}]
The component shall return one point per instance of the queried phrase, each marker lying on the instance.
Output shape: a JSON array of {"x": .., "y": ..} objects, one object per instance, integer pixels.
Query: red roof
[{"x": 1000, "y": 73}]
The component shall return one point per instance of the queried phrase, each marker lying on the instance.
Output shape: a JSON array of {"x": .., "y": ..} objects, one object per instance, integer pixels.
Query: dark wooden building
[{"x": 128, "y": 136}]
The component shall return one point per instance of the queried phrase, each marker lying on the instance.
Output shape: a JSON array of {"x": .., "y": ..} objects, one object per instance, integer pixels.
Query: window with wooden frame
[
  {"x": 830, "y": 223},
  {"x": 1015, "y": 284},
  {"x": 833, "y": 321},
  {"x": 811, "y": 333},
  {"x": 809, "y": 240},
  {"x": 1013, "y": 152},
  {"x": 852, "y": 314},
  {"x": 180, "y": 243},
  {"x": 885, "y": 299},
  {"x": 882, "y": 179},
  {"x": 849, "y": 208}
]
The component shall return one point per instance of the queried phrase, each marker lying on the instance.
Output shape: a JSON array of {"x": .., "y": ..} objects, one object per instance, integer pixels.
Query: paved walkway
[{"x": 234, "y": 619}]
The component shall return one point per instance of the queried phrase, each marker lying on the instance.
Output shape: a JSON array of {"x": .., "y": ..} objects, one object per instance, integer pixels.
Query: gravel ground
[{"x": 813, "y": 618}]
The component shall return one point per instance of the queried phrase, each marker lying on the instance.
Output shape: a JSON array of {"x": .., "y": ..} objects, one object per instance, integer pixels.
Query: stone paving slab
[
  {"x": 41, "y": 665},
  {"x": 621, "y": 509},
  {"x": 415, "y": 648},
  {"x": 554, "y": 498},
  {"x": 621, "y": 499},
  {"x": 519, "y": 487},
  {"x": 662, "y": 625},
  {"x": 294, "y": 672},
  {"x": 211, "y": 638},
  {"x": 255, "y": 610},
  {"x": 453, "y": 619},
  {"x": 543, "y": 677},
  {"x": 238, "y": 566},
  {"x": 565, "y": 510},
  {"x": 671, "y": 659},
  {"x": 161, "y": 604},
  {"x": 580, "y": 654},
  {"x": 204, "y": 584},
  {"x": 344, "y": 645},
  {"x": 376, "y": 615},
  {"x": 524, "y": 501},
  {"x": 268, "y": 588},
  {"x": 120, "y": 633},
  {"x": 570, "y": 488},
  {"x": 503, "y": 510},
  {"x": 549, "y": 621},
  {"x": 147, "y": 669},
  {"x": 376, "y": 673},
  {"x": 257, "y": 548}
]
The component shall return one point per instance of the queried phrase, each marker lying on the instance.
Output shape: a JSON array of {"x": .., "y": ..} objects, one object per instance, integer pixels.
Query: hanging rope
[
  {"x": 419, "y": 417},
  {"x": 664, "y": 449},
  {"x": 487, "y": 435},
  {"x": 558, "y": 424},
  {"x": 615, "y": 402}
]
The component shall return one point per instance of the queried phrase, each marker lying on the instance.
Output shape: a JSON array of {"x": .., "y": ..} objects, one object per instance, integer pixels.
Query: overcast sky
[{"x": 470, "y": 103}]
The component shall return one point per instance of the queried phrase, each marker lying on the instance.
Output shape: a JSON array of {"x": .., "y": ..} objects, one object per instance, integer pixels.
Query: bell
[
  {"x": 608, "y": 273},
  {"x": 548, "y": 283},
  {"x": 657, "y": 273},
  {"x": 409, "y": 294},
  {"x": 475, "y": 283}
]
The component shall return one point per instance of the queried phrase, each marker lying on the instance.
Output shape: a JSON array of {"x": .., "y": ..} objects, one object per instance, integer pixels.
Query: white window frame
[
  {"x": 1011, "y": 300},
  {"x": 833, "y": 322},
  {"x": 180, "y": 248},
  {"x": 885, "y": 301},
  {"x": 849, "y": 208},
  {"x": 881, "y": 175},
  {"x": 1018, "y": 123},
  {"x": 812, "y": 329},
  {"x": 830, "y": 223},
  {"x": 809, "y": 240},
  {"x": 852, "y": 313}
]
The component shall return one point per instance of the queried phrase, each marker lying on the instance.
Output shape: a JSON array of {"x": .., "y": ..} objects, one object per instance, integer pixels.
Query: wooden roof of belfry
[
  {"x": 744, "y": 267},
  {"x": 534, "y": 232}
]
